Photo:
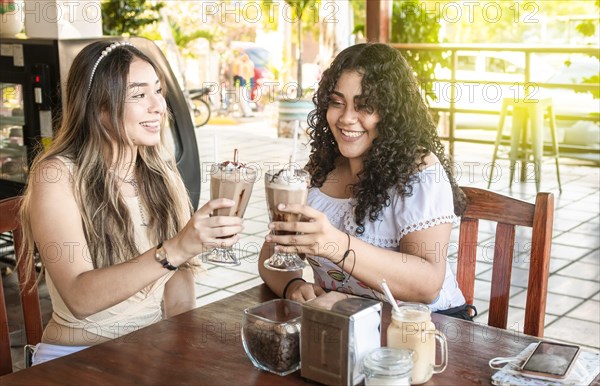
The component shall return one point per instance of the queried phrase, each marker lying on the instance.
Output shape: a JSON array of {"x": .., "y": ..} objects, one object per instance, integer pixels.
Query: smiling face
[
  {"x": 352, "y": 124},
  {"x": 145, "y": 106}
]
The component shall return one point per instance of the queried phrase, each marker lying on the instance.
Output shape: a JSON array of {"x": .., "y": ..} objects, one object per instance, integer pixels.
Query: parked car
[
  {"x": 480, "y": 78},
  {"x": 486, "y": 66},
  {"x": 478, "y": 87},
  {"x": 573, "y": 70}
]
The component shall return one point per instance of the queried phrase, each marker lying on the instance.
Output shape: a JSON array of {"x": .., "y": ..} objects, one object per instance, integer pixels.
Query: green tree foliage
[
  {"x": 6, "y": 7},
  {"x": 307, "y": 9},
  {"x": 518, "y": 21},
  {"x": 183, "y": 38},
  {"x": 588, "y": 28},
  {"x": 412, "y": 23},
  {"x": 128, "y": 16},
  {"x": 300, "y": 14},
  {"x": 359, "y": 7}
]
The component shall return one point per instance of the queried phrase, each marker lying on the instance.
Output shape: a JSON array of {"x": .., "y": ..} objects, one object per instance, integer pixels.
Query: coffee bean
[{"x": 275, "y": 346}]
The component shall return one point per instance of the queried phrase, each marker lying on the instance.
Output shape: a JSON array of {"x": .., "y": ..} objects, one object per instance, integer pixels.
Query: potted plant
[{"x": 11, "y": 17}]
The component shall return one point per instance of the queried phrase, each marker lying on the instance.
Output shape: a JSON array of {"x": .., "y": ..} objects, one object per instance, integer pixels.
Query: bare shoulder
[
  {"x": 53, "y": 210},
  {"x": 429, "y": 160},
  {"x": 51, "y": 184},
  {"x": 52, "y": 173}
]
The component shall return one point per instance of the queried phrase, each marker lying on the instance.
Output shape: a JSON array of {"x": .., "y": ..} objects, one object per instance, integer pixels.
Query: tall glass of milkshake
[
  {"x": 232, "y": 180},
  {"x": 287, "y": 186}
]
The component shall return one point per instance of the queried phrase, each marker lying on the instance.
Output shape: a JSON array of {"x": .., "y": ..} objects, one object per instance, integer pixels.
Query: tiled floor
[{"x": 573, "y": 307}]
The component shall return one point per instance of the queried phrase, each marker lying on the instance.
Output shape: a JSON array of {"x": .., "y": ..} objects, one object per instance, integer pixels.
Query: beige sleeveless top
[{"x": 140, "y": 310}]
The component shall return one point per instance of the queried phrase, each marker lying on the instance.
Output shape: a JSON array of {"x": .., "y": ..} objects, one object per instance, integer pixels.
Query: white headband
[{"x": 105, "y": 53}]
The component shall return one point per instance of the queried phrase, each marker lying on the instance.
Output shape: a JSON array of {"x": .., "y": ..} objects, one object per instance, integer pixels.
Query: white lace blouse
[{"x": 431, "y": 203}]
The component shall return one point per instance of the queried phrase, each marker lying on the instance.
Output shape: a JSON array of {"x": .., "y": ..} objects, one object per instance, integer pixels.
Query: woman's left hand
[{"x": 315, "y": 234}]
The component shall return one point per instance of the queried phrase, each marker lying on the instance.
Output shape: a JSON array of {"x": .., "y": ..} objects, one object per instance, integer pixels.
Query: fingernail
[
  {"x": 268, "y": 238},
  {"x": 271, "y": 226},
  {"x": 281, "y": 206}
]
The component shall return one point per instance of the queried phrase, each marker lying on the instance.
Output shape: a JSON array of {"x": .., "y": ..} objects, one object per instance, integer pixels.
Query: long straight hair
[{"x": 91, "y": 146}]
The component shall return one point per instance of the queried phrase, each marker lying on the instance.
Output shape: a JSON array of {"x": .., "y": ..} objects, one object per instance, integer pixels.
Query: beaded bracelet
[{"x": 288, "y": 284}]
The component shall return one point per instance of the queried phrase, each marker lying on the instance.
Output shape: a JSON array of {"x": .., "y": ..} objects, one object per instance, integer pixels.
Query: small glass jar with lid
[{"x": 387, "y": 366}]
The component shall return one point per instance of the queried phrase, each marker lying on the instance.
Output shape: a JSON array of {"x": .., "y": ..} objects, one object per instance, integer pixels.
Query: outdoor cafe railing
[{"x": 526, "y": 84}]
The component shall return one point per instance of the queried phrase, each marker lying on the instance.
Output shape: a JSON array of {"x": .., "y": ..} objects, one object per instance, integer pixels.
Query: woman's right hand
[
  {"x": 303, "y": 291},
  {"x": 204, "y": 232}
]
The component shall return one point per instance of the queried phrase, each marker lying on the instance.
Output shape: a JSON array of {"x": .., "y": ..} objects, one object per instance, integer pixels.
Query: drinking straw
[
  {"x": 216, "y": 148},
  {"x": 291, "y": 168},
  {"x": 294, "y": 143},
  {"x": 235, "y": 156},
  {"x": 388, "y": 294}
]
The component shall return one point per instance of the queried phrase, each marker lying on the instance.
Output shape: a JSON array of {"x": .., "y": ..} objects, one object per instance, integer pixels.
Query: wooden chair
[
  {"x": 507, "y": 212},
  {"x": 30, "y": 302}
]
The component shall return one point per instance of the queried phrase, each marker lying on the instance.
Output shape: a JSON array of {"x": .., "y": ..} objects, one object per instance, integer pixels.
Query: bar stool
[{"x": 527, "y": 122}]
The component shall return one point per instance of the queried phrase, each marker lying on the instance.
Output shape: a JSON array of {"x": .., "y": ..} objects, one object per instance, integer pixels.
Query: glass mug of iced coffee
[
  {"x": 232, "y": 180},
  {"x": 287, "y": 186},
  {"x": 411, "y": 328}
]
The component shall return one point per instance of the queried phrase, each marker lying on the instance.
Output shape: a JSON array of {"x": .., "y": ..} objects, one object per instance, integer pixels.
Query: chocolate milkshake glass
[
  {"x": 287, "y": 186},
  {"x": 232, "y": 180}
]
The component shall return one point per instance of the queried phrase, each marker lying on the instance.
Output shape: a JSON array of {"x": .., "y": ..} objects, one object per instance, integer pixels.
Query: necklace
[{"x": 134, "y": 184}]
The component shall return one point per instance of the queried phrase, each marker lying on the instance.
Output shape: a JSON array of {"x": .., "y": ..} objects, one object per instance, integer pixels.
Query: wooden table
[{"x": 204, "y": 347}]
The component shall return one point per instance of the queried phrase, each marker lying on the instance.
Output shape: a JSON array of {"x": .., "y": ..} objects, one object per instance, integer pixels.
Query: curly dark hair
[{"x": 406, "y": 131}]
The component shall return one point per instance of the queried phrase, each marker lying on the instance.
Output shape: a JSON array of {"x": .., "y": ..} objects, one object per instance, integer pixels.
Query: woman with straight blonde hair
[{"x": 110, "y": 217}]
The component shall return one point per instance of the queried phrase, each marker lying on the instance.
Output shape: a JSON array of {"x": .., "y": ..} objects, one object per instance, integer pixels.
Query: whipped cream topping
[
  {"x": 295, "y": 178},
  {"x": 236, "y": 171},
  {"x": 230, "y": 166}
]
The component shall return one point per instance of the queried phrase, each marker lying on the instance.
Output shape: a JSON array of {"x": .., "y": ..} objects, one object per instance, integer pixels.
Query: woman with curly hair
[
  {"x": 382, "y": 199},
  {"x": 110, "y": 216}
]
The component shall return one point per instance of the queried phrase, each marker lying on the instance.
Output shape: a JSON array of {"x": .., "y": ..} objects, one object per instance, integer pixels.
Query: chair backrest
[
  {"x": 507, "y": 212},
  {"x": 30, "y": 303}
]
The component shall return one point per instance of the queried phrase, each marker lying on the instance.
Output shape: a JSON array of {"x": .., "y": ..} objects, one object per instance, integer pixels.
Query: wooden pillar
[{"x": 378, "y": 20}]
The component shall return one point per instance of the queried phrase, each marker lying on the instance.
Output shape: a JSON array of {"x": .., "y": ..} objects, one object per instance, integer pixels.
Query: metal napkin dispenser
[{"x": 337, "y": 331}]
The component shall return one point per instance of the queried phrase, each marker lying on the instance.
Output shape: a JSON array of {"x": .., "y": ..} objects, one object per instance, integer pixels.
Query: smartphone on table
[{"x": 551, "y": 360}]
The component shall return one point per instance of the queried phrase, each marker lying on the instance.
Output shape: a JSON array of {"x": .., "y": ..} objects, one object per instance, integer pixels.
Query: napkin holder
[{"x": 337, "y": 331}]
